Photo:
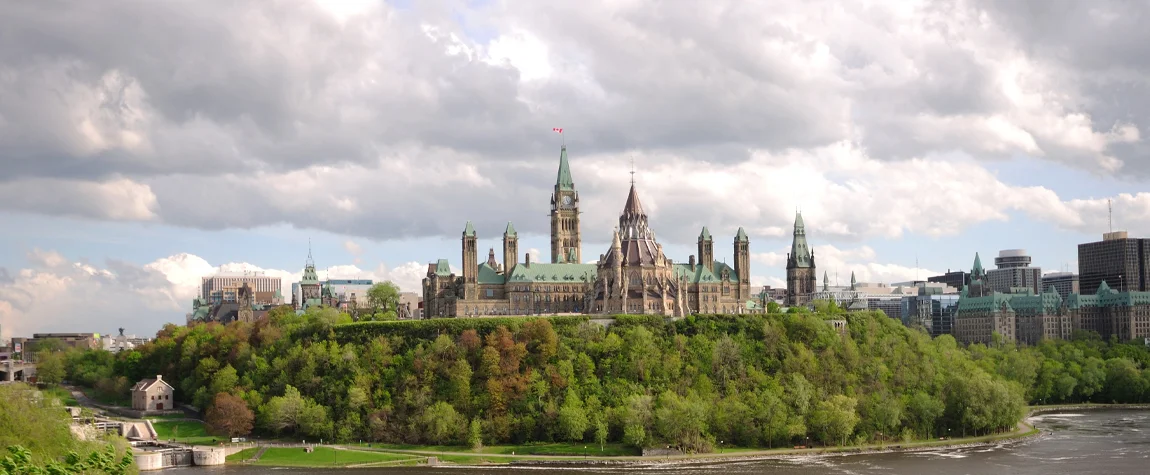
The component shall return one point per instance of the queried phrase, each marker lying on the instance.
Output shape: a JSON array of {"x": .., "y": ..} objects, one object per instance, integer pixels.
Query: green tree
[
  {"x": 475, "y": 434},
  {"x": 573, "y": 421},
  {"x": 441, "y": 424},
  {"x": 383, "y": 297},
  {"x": 224, "y": 380},
  {"x": 834, "y": 420},
  {"x": 50, "y": 367}
]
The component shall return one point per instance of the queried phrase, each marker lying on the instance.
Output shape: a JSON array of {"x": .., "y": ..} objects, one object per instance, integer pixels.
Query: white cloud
[{"x": 47, "y": 295}]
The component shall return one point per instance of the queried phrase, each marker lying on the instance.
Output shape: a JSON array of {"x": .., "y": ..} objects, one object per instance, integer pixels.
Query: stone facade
[
  {"x": 153, "y": 395},
  {"x": 1027, "y": 317},
  {"x": 801, "y": 270},
  {"x": 633, "y": 276}
]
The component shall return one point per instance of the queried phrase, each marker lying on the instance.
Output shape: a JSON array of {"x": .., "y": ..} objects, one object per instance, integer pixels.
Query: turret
[
  {"x": 743, "y": 260},
  {"x": 706, "y": 250},
  {"x": 470, "y": 263},
  {"x": 510, "y": 248}
]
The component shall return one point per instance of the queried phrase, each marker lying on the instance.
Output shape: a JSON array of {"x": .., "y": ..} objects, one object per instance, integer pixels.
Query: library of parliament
[{"x": 633, "y": 276}]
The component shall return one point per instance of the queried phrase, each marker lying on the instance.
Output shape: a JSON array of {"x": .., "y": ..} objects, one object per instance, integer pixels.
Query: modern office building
[
  {"x": 957, "y": 279},
  {"x": 224, "y": 287},
  {"x": 1119, "y": 260},
  {"x": 1065, "y": 283},
  {"x": 1013, "y": 272},
  {"x": 932, "y": 309}
]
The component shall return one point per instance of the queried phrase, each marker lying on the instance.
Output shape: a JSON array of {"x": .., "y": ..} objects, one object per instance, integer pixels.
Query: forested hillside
[{"x": 755, "y": 381}]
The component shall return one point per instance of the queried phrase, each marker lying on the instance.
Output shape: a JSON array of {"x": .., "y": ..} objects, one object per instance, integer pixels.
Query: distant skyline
[{"x": 139, "y": 157}]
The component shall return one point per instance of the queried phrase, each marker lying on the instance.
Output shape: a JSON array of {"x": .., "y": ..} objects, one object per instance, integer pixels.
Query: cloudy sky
[{"x": 145, "y": 144}]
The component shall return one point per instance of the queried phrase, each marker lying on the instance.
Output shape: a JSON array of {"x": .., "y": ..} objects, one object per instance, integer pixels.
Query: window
[{"x": 153, "y": 398}]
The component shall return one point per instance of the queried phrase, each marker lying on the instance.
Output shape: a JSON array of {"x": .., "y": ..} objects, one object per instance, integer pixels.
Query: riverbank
[
  {"x": 439, "y": 456},
  {"x": 514, "y": 456}
]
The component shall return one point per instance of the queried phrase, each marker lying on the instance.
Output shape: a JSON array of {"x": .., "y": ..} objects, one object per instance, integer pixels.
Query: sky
[{"x": 147, "y": 144}]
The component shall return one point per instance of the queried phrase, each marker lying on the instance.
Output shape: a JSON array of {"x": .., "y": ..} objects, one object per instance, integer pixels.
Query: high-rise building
[
  {"x": 224, "y": 287},
  {"x": 1119, "y": 260},
  {"x": 1014, "y": 272},
  {"x": 932, "y": 309},
  {"x": 1065, "y": 283},
  {"x": 957, "y": 279}
]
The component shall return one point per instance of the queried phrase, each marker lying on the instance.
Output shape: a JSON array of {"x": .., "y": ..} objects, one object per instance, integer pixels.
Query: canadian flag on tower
[{"x": 557, "y": 130}]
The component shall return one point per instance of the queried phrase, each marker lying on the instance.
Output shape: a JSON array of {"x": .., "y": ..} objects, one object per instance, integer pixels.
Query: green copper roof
[
  {"x": 741, "y": 236},
  {"x": 1103, "y": 288},
  {"x": 705, "y": 235},
  {"x": 563, "y": 181},
  {"x": 553, "y": 273},
  {"x": 977, "y": 271},
  {"x": 510, "y": 231},
  {"x": 487, "y": 275},
  {"x": 442, "y": 268},
  {"x": 800, "y": 253},
  {"x": 702, "y": 275},
  {"x": 469, "y": 230}
]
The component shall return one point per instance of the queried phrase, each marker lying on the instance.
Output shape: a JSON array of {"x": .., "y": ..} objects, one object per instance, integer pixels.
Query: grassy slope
[
  {"x": 321, "y": 457},
  {"x": 576, "y": 450},
  {"x": 188, "y": 432}
]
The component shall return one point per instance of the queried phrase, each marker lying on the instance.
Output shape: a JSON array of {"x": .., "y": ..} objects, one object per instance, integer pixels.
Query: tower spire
[
  {"x": 632, "y": 171},
  {"x": 310, "y": 262}
]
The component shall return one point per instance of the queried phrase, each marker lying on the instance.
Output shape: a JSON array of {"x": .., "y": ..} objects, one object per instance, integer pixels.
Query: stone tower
[
  {"x": 470, "y": 263},
  {"x": 800, "y": 267},
  {"x": 309, "y": 284},
  {"x": 245, "y": 299},
  {"x": 743, "y": 264},
  {"x": 566, "y": 241},
  {"x": 706, "y": 250},
  {"x": 510, "y": 249}
]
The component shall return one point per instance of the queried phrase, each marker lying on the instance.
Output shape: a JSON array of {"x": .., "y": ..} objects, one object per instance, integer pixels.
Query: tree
[
  {"x": 229, "y": 416},
  {"x": 834, "y": 419},
  {"x": 383, "y": 297},
  {"x": 572, "y": 418},
  {"x": 475, "y": 434},
  {"x": 50, "y": 368},
  {"x": 441, "y": 424},
  {"x": 224, "y": 381}
]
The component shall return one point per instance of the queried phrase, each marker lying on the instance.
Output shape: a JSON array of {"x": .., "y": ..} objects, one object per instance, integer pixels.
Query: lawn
[
  {"x": 569, "y": 449},
  {"x": 188, "y": 432},
  {"x": 320, "y": 457},
  {"x": 64, "y": 395}
]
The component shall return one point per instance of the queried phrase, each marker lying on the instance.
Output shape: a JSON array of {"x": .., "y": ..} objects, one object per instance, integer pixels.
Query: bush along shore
[{"x": 701, "y": 384}]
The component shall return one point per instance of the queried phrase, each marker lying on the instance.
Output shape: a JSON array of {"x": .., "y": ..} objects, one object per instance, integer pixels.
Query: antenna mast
[
  {"x": 1109, "y": 215},
  {"x": 632, "y": 170}
]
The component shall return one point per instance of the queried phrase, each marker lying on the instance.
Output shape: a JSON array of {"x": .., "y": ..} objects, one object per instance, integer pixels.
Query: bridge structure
[{"x": 16, "y": 371}]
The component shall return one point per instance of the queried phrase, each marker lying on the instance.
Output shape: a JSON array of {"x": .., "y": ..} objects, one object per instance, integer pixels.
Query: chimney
[
  {"x": 159, "y": 377},
  {"x": 527, "y": 260},
  {"x": 691, "y": 261}
]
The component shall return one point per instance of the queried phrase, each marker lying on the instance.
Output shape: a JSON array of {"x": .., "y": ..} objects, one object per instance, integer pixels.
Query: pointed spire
[
  {"x": 801, "y": 256},
  {"x": 853, "y": 281},
  {"x": 309, "y": 262},
  {"x": 510, "y": 231},
  {"x": 469, "y": 230},
  {"x": 615, "y": 244},
  {"x": 741, "y": 236},
  {"x": 977, "y": 272},
  {"x": 705, "y": 235},
  {"x": 826, "y": 282},
  {"x": 563, "y": 180},
  {"x": 633, "y": 206}
]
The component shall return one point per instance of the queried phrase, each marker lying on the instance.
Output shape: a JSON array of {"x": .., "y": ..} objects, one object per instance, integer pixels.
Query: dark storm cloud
[{"x": 395, "y": 124}]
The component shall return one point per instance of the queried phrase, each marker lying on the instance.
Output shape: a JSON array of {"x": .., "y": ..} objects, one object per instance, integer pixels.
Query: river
[{"x": 1102, "y": 442}]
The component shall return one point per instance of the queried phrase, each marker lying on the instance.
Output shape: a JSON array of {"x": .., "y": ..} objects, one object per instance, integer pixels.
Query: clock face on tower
[{"x": 567, "y": 200}]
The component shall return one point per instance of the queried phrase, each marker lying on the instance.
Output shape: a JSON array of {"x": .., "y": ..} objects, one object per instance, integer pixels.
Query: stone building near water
[
  {"x": 801, "y": 270},
  {"x": 153, "y": 395},
  {"x": 633, "y": 276}
]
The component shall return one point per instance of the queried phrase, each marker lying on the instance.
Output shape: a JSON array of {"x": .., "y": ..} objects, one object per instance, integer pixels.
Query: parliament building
[{"x": 633, "y": 276}]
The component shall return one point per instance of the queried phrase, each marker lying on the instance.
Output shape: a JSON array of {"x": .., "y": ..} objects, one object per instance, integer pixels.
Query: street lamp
[{"x": 720, "y": 446}]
